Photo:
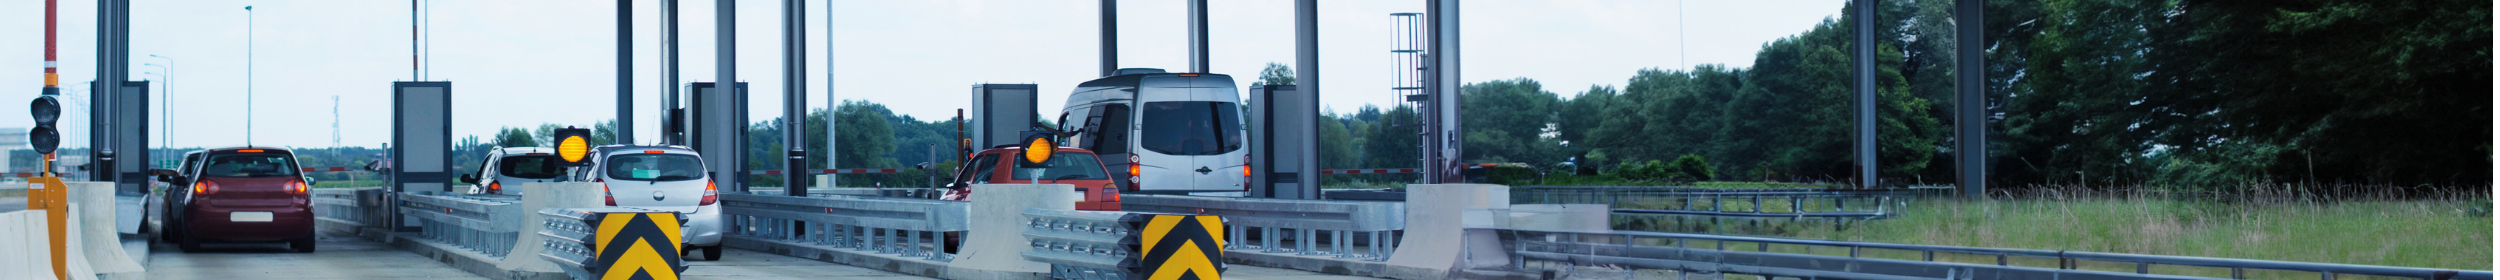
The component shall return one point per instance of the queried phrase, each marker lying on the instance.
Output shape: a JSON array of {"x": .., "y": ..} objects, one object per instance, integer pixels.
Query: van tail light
[
  {"x": 603, "y": 189},
  {"x": 297, "y": 187},
  {"x": 1135, "y": 173},
  {"x": 711, "y": 192},
  {"x": 494, "y": 188},
  {"x": 204, "y": 187},
  {"x": 1245, "y": 173}
]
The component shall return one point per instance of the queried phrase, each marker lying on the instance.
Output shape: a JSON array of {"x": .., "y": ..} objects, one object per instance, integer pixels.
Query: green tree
[
  {"x": 515, "y": 137},
  {"x": 1276, "y": 74}
]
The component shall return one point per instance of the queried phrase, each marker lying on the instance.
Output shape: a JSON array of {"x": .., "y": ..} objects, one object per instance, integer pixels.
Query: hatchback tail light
[
  {"x": 204, "y": 187},
  {"x": 1110, "y": 193},
  {"x": 603, "y": 189},
  {"x": 297, "y": 187},
  {"x": 711, "y": 192},
  {"x": 494, "y": 188}
]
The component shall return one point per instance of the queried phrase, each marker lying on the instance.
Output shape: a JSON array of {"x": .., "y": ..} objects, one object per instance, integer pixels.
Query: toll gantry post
[
  {"x": 718, "y": 129},
  {"x": 1000, "y": 112},
  {"x": 121, "y": 135},
  {"x": 1284, "y": 138},
  {"x": 421, "y": 124}
]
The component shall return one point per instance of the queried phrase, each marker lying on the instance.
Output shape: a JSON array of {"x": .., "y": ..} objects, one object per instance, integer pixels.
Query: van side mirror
[{"x": 308, "y": 181}]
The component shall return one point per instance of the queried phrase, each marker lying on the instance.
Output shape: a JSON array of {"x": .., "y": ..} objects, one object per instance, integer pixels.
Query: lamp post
[
  {"x": 247, "y": 76},
  {"x": 161, "y": 76},
  {"x": 168, "y": 99}
]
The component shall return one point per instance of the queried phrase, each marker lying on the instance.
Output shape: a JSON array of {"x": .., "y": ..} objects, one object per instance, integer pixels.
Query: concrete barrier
[
  {"x": 997, "y": 241},
  {"x": 92, "y": 208},
  {"x": 1436, "y": 232},
  {"x": 524, "y": 256},
  {"x": 26, "y": 253}
]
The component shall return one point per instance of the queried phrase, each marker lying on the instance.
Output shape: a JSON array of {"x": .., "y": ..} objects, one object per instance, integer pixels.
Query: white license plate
[{"x": 253, "y": 216}]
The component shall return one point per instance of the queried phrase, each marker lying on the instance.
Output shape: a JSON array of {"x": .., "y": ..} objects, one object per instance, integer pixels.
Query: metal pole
[
  {"x": 1442, "y": 148},
  {"x": 1862, "y": 83},
  {"x": 668, "y": 75},
  {"x": 1198, "y": 36},
  {"x": 1110, "y": 37},
  {"x": 624, "y": 71},
  {"x": 831, "y": 106},
  {"x": 794, "y": 97},
  {"x": 1970, "y": 124},
  {"x": 725, "y": 42},
  {"x": 247, "y": 75},
  {"x": 1306, "y": 80}
]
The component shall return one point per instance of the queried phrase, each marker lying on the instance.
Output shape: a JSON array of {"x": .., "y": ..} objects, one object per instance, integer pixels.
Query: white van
[{"x": 1168, "y": 133}]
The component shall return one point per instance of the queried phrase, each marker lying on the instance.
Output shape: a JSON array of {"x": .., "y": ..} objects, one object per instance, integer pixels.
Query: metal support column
[
  {"x": 1198, "y": 37},
  {"x": 1862, "y": 87},
  {"x": 1970, "y": 112},
  {"x": 1110, "y": 37},
  {"x": 671, "y": 130},
  {"x": 112, "y": 69},
  {"x": 1441, "y": 122},
  {"x": 725, "y": 34},
  {"x": 794, "y": 97},
  {"x": 624, "y": 71}
]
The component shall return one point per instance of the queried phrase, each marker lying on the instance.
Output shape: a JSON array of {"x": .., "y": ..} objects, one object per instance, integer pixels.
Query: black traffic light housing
[
  {"x": 45, "y": 137},
  {"x": 572, "y": 146},
  {"x": 1039, "y": 147}
]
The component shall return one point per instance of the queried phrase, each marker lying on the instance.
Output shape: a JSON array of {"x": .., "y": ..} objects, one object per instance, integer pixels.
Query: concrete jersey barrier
[
  {"x": 524, "y": 256},
  {"x": 997, "y": 241}
]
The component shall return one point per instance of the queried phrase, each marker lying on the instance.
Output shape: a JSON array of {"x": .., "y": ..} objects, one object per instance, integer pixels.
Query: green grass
[{"x": 2450, "y": 233}]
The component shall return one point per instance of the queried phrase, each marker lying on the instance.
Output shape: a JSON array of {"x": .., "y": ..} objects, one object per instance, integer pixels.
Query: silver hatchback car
[{"x": 667, "y": 178}]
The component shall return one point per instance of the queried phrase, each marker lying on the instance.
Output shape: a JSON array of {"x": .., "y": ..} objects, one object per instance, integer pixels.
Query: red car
[
  {"x": 1073, "y": 166},
  {"x": 239, "y": 194}
]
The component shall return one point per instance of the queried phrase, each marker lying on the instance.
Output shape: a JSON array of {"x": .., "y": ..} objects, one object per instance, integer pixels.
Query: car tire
[
  {"x": 189, "y": 243},
  {"x": 302, "y": 245},
  {"x": 711, "y": 253}
]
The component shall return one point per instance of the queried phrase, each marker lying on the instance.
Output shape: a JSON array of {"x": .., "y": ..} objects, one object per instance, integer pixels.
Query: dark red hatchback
[{"x": 240, "y": 194}]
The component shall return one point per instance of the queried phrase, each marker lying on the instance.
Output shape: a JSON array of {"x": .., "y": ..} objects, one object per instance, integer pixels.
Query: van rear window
[{"x": 1191, "y": 128}]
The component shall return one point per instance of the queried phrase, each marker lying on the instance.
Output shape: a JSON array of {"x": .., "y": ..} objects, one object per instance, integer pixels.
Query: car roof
[
  {"x": 673, "y": 149},
  {"x": 526, "y": 150}
]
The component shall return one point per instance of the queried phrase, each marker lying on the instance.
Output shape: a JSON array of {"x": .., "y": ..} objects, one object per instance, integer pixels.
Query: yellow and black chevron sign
[
  {"x": 1182, "y": 247},
  {"x": 637, "y": 246}
]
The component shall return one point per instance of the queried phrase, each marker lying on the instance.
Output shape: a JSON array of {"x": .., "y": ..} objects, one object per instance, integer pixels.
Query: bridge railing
[
  {"x": 489, "y": 224},
  {"x": 908, "y": 227},
  {"x": 1712, "y": 253},
  {"x": 1363, "y": 230}
]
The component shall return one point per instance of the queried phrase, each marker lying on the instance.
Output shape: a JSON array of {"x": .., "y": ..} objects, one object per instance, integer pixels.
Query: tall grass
[{"x": 2391, "y": 228}]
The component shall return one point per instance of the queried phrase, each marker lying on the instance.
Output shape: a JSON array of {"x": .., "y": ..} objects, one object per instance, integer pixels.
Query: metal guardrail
[
  {"x": 486, "y": 223},
  {"x": 1709, "y": 253},
  {"x": 1827, "y": 203},
  {"x": 887, "y": 225},
  {"x": 570, "y": 236},
  {"x": 1082, "y": 244},
  {"x": 1363, "y": 230},
  {"x": 353, "y": 205}
]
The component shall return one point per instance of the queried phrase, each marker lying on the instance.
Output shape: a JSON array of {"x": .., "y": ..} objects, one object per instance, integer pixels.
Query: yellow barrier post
[
  {"x": 50, "y": 195},
  {"x": 1182, "y": 247},
  {"x": 637, "y": 245}
]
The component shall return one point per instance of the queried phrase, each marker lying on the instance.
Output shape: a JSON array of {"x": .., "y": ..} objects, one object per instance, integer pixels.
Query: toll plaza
[{"x": 601, "y": 215}]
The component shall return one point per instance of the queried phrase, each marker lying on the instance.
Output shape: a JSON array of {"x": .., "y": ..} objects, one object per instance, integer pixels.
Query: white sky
[{"x": 522, "y": 63}]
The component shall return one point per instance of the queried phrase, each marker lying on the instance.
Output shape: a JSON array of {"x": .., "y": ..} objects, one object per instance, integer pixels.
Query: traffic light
[
  {"x": 573, "y": 146},
  {"x": 1038, "y": 148},
  {"x": 44, "y": 137}
]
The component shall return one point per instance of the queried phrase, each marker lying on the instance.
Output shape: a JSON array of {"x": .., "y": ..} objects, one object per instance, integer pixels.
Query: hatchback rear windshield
[
  {"x": 531, "y": 167},
  {"x": 655, "y": 167},
  {"x": 249, "y": 166},
  {"x": 1191, "y": 128},
  {"x": 1066, "y": 166}
]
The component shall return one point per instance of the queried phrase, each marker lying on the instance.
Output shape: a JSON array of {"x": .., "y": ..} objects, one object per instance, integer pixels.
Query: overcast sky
[{"x": 522, "y": 63}]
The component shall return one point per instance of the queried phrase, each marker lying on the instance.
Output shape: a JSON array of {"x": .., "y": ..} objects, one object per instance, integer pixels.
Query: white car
[
  {"x": 505, "y": 169},
  {"x": 667, "y": 178}
]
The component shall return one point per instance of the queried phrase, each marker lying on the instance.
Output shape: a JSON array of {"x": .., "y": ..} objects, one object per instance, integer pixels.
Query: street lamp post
[
  {"x": 168, "y": 109},
  {"x": 161, "y": 75},
  {"x": 247, "y": 76}
]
